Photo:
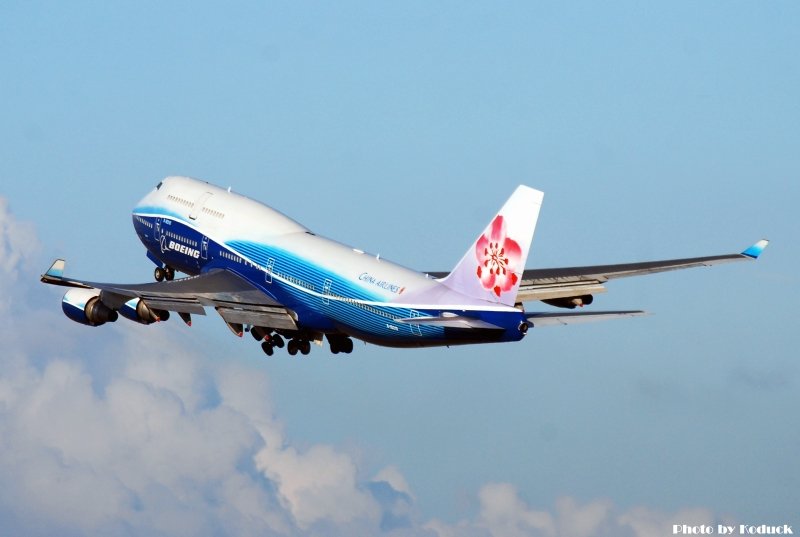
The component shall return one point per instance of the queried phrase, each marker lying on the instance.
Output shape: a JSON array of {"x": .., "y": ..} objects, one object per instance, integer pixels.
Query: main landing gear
[
  {"x": 341, "y": 344},
  {"x": 269, "y": 341},
  {"x": 302, "y": 345},
  {"x": 166, "y": 273},
  {"x": 298, "y": 341}
]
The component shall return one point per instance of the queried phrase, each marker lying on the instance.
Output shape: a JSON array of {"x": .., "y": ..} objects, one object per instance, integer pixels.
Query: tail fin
[{"x": 492, "y": 267}]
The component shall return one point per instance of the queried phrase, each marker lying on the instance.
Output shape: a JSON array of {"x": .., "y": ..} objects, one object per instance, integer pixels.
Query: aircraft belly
[
  {"x": 381, "y": 328},
  {"x": 446, "y": 338}
]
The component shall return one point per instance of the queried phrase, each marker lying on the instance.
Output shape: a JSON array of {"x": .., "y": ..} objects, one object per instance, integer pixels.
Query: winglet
[
  {"x": 55, "y": 276},
  {"x": 755, "y": 250},
  {"x": 56, "y": 270}
]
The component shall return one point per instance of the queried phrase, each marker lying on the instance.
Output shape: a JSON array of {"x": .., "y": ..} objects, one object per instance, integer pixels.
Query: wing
[
  {"x": 542, "y": 284},
  {"x": 566, "y": 282},
  {"x": 234, "y": 298}
]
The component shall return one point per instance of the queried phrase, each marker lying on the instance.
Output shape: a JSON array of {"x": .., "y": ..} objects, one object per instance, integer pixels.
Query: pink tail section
[{"x": 492, "y": 268}]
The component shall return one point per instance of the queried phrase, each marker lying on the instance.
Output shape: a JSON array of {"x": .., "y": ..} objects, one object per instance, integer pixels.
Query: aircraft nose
[{"x": 148, "y": 199}]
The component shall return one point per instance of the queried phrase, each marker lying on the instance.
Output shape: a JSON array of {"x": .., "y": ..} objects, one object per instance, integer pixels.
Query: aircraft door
[
  {"x": 157, "y": 230},
  {"x": 204, "y": 248},
  {"x": 415, "y": 327},
  {"x": 326, "y": 291},
  {"x": 198, "y": 205},
  {"x": 268, "y": 272}
]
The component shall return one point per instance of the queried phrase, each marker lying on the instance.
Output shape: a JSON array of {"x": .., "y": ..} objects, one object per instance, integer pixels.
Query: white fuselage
[{"x": 195, "y": 227}]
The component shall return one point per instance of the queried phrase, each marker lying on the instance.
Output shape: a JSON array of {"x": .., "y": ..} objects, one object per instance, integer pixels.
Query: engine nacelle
[
  {"x": 84, "y": 306},
  {"x": 137, "y": 310},
  {"x": 570, "y": 302}
]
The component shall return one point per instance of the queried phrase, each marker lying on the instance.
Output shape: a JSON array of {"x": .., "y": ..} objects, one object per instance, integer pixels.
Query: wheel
[
  {"x": 278, "y": 341},
  {"x": 159, "y": 274},
  {"x": 292, "y": 347},
  {"x": 267, "y": 348},
  {"x": 169, "y": 273},
  {"x": 305, "y": 346},
  {"x": 257, "y": 334},
  {"x": 347, "y": 347}
]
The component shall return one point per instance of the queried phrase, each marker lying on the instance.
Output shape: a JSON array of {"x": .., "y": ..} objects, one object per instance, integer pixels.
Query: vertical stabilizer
[{"x": 492, "y": 267}]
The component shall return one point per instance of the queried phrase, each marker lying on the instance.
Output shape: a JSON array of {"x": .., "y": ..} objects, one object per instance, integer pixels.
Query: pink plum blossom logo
[{"x": 499, "y": 256}]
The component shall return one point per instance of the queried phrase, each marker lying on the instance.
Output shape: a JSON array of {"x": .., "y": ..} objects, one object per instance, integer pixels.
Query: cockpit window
[{"x": 159, "y": 185}]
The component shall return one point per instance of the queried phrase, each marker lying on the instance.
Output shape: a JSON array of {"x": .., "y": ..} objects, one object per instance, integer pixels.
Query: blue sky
[{"x": 655, "y": 131}]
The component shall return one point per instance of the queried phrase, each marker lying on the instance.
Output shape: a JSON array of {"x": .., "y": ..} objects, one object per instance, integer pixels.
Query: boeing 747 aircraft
[{"x": 267, "y": 274}]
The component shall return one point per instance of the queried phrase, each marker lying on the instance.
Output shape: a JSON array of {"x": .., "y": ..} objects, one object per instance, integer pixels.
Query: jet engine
[
  {"x": 137, "y": 310},
  {"x": 84, "y": 306},
  {"x": 570, "y": 302}
]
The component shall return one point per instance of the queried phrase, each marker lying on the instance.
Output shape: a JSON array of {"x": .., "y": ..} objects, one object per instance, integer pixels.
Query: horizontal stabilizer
[
  {"x": 553, "y": 319},
  {"x": 451, "y": 321}
]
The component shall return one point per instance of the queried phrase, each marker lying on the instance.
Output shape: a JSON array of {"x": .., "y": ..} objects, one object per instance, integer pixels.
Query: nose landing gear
[{"x": 166, "y": 273}]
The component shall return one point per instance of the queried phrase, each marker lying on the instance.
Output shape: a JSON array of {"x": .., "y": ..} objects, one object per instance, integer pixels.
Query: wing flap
[
  {"x": 528, "y": 293},
  {"x": 180, "y": 304},
  {"x": 176, "y": 305},
  {"x": 273, "y": 317}
]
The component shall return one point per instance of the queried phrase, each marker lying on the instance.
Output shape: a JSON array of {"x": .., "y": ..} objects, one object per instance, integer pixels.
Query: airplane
[{"x": 266, "y": 274}]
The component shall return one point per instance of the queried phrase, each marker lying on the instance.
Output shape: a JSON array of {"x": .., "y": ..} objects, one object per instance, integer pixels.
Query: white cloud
[
  {"x": 163, "y": 441},
  {"x": 134, "y": 430},
  {"x": 392, "y": 476},
  {"x": 18, "y": 246},
  {"x": 318, "y": 484},
  {"x": 582, "y": 521},
  {"x": 649, "y": 523},
  {"x": 160, "y": 455},
  {"x": 134, "y": 455},
  {"x": 503, "y": 513}
]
